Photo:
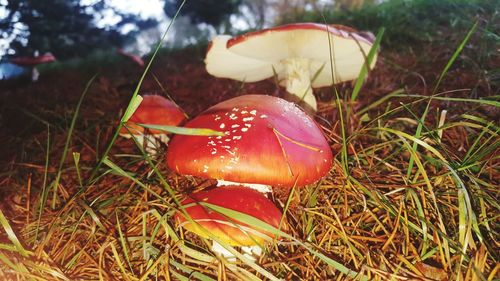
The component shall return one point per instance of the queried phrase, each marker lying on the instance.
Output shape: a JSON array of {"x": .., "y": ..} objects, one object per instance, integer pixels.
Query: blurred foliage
[
  {"x": 407, "y": 22},
  {"x": 212, "y": 12},
  {"x": 67, "y": 28}
]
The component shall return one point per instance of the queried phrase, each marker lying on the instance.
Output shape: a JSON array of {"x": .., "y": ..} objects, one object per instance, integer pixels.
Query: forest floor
[{"x": 436, "y": 218}]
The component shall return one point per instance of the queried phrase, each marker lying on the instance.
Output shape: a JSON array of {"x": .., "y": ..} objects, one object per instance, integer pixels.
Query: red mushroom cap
[
  {"x": 267, "y": 141},
  {"x": 32, "y": 61},
  {"x": 155, "y": 110},
  {"x": 237, "y": 198},
  {"x": 334, "y": 29}
]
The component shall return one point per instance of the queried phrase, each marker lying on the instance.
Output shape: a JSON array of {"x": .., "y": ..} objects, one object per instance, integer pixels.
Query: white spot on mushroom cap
[{"x": 222, "y": 126}]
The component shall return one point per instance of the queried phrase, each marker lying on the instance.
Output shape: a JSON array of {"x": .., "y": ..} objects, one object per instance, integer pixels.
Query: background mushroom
[
  {"x": 134, "y": 58},
  {"x": 303, "y": 55},
  {"x": 225, "y": 229},
  {"x": 155, "y": 110},
  {"x": 32, "y": 62},
  {"x": 267, "y": 142}
]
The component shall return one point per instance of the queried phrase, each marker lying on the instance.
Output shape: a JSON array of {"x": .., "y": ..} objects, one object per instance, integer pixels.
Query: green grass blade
[
  {"x": 133, "y": 101},
  {"x": 258, "y": 224},
  {"x": 183, "y": 130},
  {"x": 452, "y": 99},
  {"x": 44, "y": 192},
  {"x": 418, "y": 132},
  {"x": 454, "y": 56},
  {"x": 380, "y": 101},
  {"x": 55, "y": 184},
  {"x": 366, "y": 66},
  {"x": 76, "y": 159},
  {"x": 12, "y": 235},
  {"x": 190, "y": 272},
  {"x": 131, "y": 108},
  {"x": 123, "y": 242}
]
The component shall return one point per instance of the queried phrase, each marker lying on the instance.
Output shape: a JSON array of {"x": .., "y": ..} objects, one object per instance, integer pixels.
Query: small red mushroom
[
  {"x": 303, "y": 55},
  {"x": 267, "y": 142},
  {"x": 230, "y": 231},
  {"x": 32, "y": 62},
  {"x": 135, "y": 58},
  {"x": 154, "y": 110}
]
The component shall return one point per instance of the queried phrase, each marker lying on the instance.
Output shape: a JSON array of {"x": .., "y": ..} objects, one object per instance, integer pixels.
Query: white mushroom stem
[
  {"x": 298, "y": 80},
  {"x": 248, "y": 251},
  {"x": 163, "y": 138},
  {"x": 35, "y": 74},
  {"x": 262, "y": 188},
  {"x": 149, "y": 142}
]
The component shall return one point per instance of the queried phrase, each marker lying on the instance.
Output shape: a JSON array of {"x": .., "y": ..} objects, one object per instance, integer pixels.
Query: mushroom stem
[
  {"x": 163, "y": 138},
  {"x": 298, "y": 80},
  {"x": 262, "y": 188},
  {"x": 248, "y": 251},
  {"x": 219, "y": 249},
  {"x": 151, "y": 146},
  {"x": 34, "y": 74}
]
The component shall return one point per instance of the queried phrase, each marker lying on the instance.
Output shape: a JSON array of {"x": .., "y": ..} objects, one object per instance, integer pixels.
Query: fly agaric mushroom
[
  {"x": 32, "y": 62},
  {"x": 267, "y": 142},
  {"x": 303, "y": 55},
  {"x": 154, "y": 110},
  {"x": 225, "y": 229}
]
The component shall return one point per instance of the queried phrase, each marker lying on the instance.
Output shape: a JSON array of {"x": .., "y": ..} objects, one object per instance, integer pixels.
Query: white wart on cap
[{"x": 296, "y": 52}]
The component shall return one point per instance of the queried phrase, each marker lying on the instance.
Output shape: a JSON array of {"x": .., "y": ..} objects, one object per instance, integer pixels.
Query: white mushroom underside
[
  {"x": 262, "y": 188},
  {"x": 259, "y": 57}
]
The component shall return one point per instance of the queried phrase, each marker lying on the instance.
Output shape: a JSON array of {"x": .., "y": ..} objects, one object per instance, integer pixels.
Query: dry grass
[{"x": 375, "y": 213}]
